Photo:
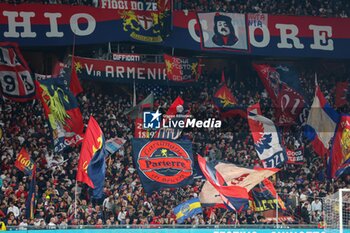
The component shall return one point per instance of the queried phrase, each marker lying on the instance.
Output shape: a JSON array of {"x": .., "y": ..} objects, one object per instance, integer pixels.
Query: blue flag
[
  {"x": 187, "y": 209},
  {"x": 97, "y": 170},
  {"x": 30, "y": 202},
  {"x": 163, "y": 163}
]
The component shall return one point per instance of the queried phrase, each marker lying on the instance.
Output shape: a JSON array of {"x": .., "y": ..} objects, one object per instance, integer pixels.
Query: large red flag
[
  {"x": 24, "y": 163},
  {"x": 340, "y": 155},
  {"x": 74, "y": 84},
  {"x": 93, "y": 141}
]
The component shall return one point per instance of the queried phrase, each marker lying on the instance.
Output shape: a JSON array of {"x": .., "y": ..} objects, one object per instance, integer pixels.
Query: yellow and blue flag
[{"x": 187, "y": 209}]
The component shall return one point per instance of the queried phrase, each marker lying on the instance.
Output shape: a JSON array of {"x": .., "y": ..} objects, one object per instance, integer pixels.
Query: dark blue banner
[{"x": 163, "y": 163}]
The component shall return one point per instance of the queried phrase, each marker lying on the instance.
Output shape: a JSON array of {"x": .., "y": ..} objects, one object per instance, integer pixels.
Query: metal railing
[{"x": 173, "y": 226}]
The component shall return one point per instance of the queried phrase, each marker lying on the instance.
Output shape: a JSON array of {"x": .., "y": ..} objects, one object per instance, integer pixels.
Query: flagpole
[
  {"x": 75, "y": 201},
  {"x": 134, "y": 96},
  {"x": 276, "y": 210},
  {"x": 223, "y": 216}
]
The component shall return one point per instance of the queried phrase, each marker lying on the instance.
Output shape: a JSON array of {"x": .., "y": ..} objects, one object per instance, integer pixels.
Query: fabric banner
[
  {"x": 187, "y": 209},
  {"x": 30, "y": 201},
  {"x": 163, "y": 163},
  {"x": 283, "y": 86},
  {"x": 126, "y": 57},
  {"x": 234, "y": 175},
  {"x": 92, "y": 165},
  {"x": 105, "y": 70},
  {"x": 182, "y": 69},
  {"x": 295, "y": 156},
  {"x": 149, "y": 20},
  {"x": 223, "y": 31},
  {"x": 257, "y": 34},
  {"x": 62, "y": 110},
  {"x": 234, "y": 197},
  {"x": 266, "y": 137},
  {"x": 264, "y": 197},
  {"x": 321, "y": 123},
  {"x": 227, "y": 103},
  {"x": 15, "y": 76},
  {"x": 269, "y": 35},
  {"x": 114, "y": 144},
  {"x": 24, "y": 162},
  {"x": 339, "y": 161}
]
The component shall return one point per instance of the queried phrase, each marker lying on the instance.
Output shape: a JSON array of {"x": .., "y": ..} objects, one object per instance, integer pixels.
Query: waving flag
[
  {"x": 30, "y": 202},
  {"x": 234, "y": 197},
  {"x": 227, "y": 103},
  {"x": 237, "y": 176},
  {"x": 114, "y": 144},
  {"x": 283, "y": 86},
  {"x": 61, "y": 109},
  {"x": 24, "y": 162},
  {"x": 341, "y": 94},
  {"x": 267, "y": 140},
  {"x": 187, "y": 209},
  {"x": 321, "y": 123},
  {"x": 74, "y": 83},
  {"x": 16, "y": 80},
  {"x": 92, "y": 165},
  {"x": 339, "y": 161},
  {"x": 263, "y": 197}
]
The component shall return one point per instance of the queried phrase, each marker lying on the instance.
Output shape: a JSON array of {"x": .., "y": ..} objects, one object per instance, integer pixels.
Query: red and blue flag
[
  {"x": 92, "y": 163},
  {"x": 235, "y": 198},
  {"x": 321, "y": 123},
  {"x": 339, "y": 160}
]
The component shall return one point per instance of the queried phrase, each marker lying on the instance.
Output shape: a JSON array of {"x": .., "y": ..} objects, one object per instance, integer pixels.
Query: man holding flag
[{"x": 92, "y": 165}]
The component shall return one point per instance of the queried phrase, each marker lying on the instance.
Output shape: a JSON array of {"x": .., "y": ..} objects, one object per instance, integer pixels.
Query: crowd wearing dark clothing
[{"x": 301, "y": 187}]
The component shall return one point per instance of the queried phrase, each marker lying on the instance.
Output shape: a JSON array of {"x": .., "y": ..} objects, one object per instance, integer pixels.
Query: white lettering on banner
[
  {"x": 130, "y": 70},
  {"x": 284, "y": 28},
  {"x": 13, "y": 24},
  {"x": 266, "y": 37},
  {"x": 126, "y": 57},
  {"x": 320, "y": 34},
  {"x": 140, "y": 73},
  {"x": 191, "y": 29},
  {"x": 109, "y": 71},
  {"x": 91, "y": 24},
  {"x": 89, "y": 68},
  {"x": 53, "y": 25}
]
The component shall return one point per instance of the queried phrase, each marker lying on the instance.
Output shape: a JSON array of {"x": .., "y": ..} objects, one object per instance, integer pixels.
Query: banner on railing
[
  {"x": 118, "y": 71},
  {"x": 126, "y": 57},
  {"x": 256, "y": 34}
]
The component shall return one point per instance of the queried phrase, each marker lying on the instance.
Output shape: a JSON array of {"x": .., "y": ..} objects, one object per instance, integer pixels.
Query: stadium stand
[{"x": 61, "y": 204}]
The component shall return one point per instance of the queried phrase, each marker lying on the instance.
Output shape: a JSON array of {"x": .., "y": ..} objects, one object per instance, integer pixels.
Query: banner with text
[
  {"x": 118, "y": 71},
  {"x": 256, "y": 34}
]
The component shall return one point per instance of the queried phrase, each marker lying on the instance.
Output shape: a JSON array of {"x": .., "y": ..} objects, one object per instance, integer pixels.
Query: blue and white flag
[
  {"x": 114, "y": 144},
  {"x": 267, "y": 140}
]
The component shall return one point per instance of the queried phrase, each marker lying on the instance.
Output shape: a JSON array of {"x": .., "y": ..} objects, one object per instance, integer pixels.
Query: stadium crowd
[
  {"x": 328, "y": 8},
  {"x": 302, "y": 187}
]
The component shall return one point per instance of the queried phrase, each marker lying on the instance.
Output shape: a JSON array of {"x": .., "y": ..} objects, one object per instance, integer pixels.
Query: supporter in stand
[{"x": 125, "y": 202}]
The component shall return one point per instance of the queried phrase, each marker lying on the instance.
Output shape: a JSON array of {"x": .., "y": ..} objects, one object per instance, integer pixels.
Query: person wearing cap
[{"x": 224, "y": 31}]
